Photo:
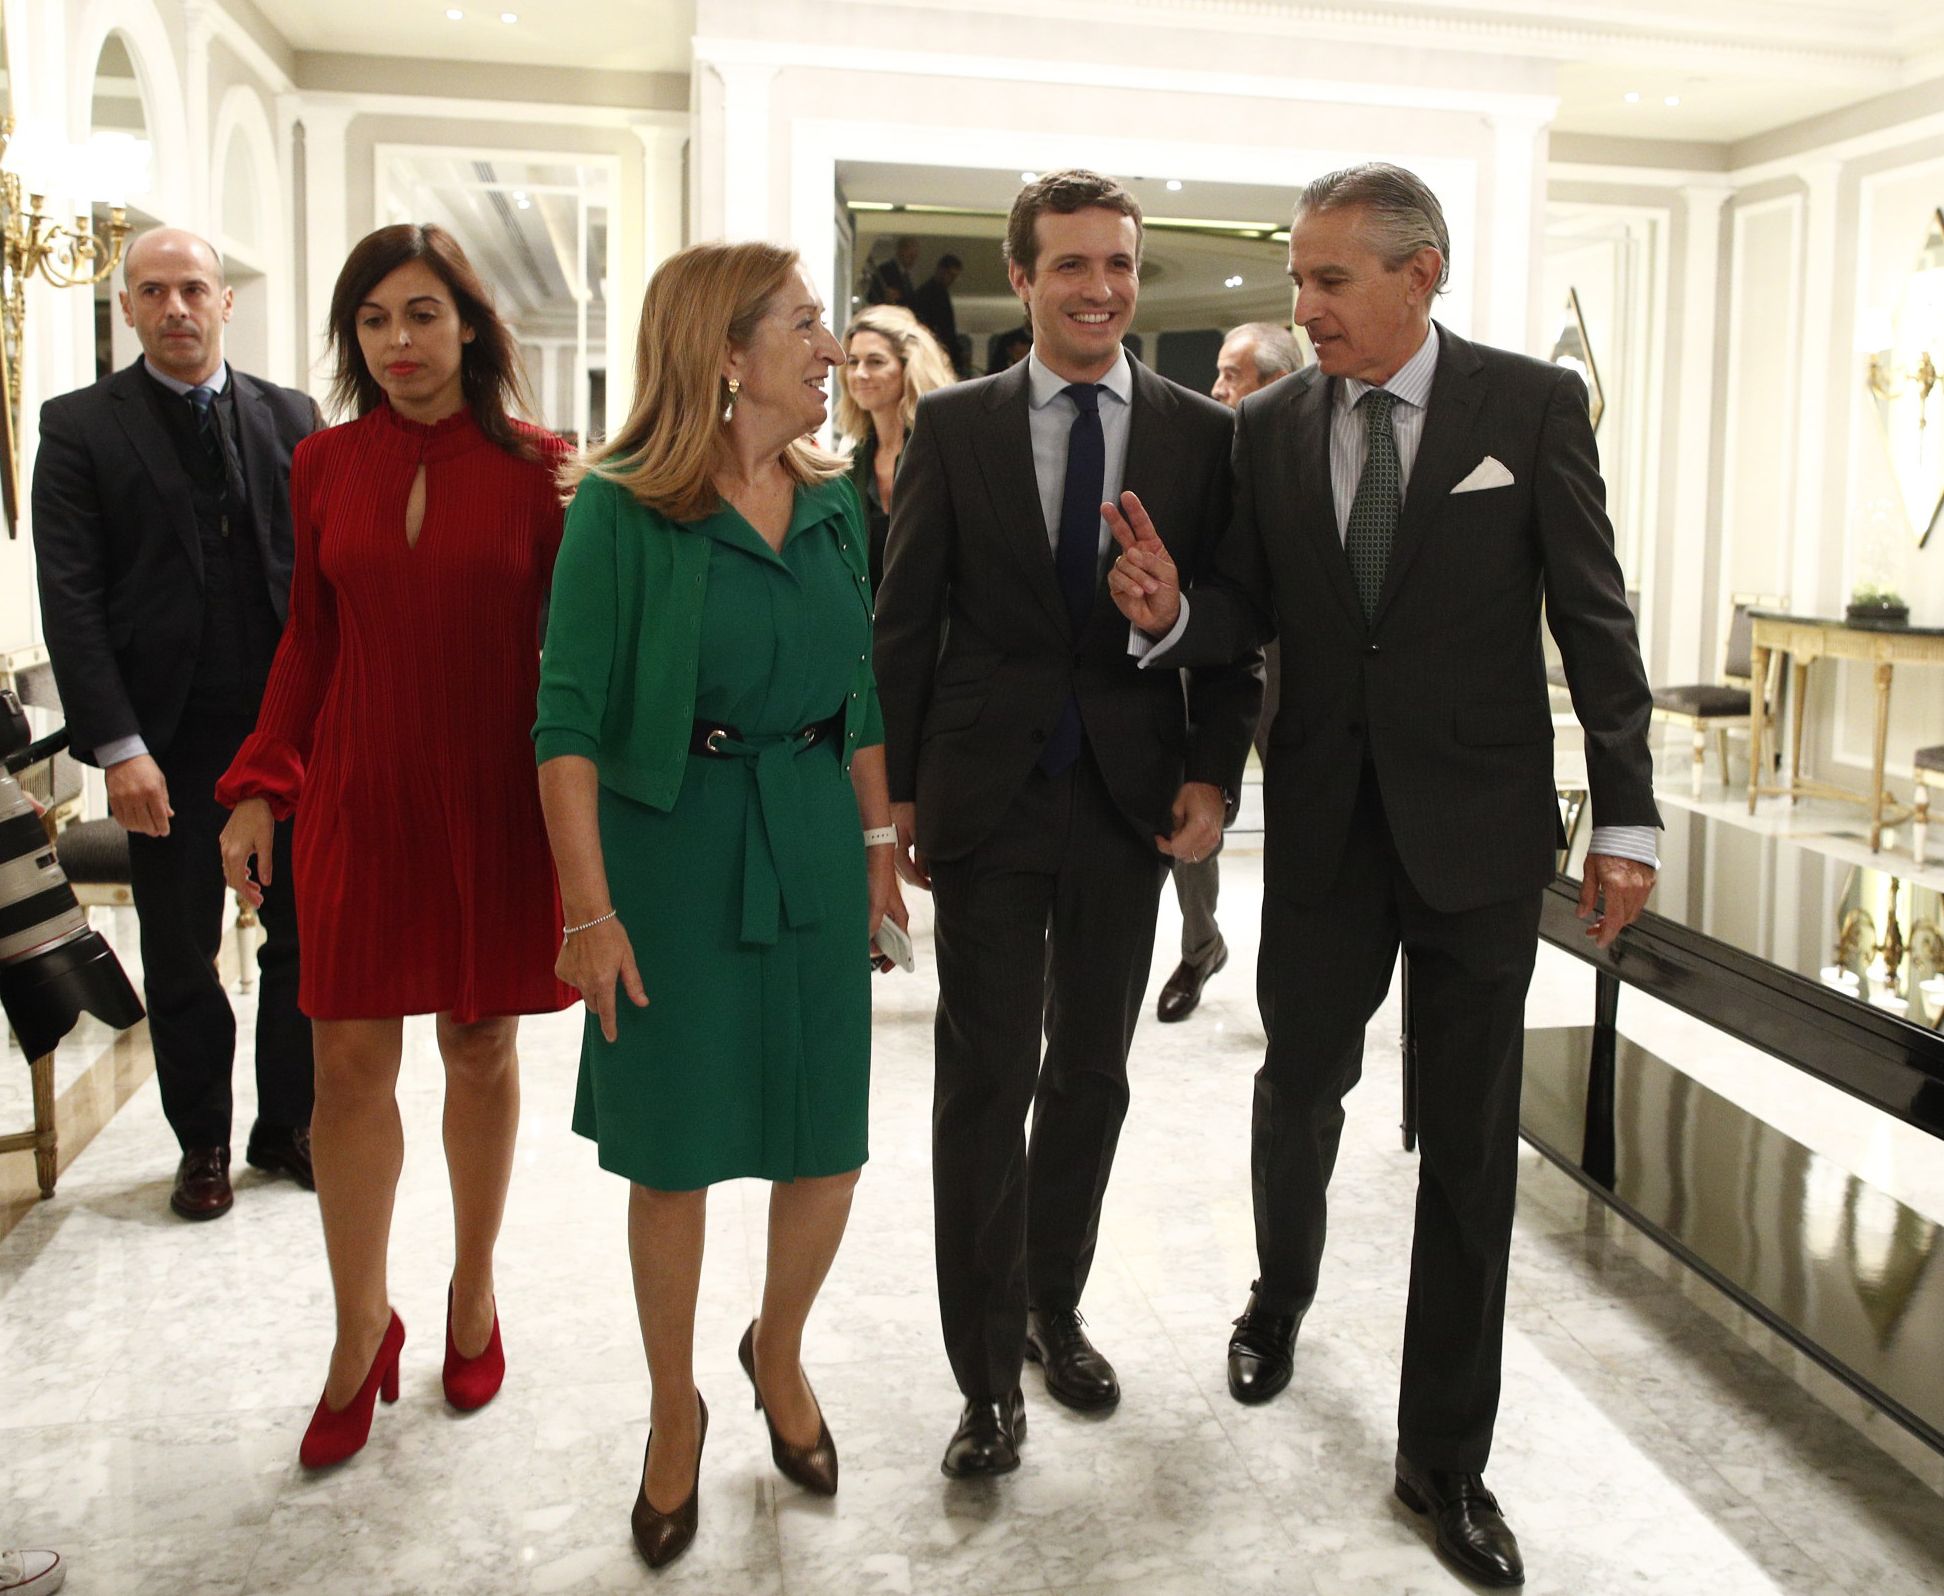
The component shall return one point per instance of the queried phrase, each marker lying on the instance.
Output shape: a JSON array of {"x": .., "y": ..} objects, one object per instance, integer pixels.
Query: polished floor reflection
[{"x": 155, "y": 1378}]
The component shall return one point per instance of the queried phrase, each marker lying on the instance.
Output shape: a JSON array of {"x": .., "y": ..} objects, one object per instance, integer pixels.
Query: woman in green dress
[{"x": 712, "y": 770}]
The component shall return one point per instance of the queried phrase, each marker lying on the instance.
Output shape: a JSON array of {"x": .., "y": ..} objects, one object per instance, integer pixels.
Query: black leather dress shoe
[
  {"x": 988, "y": 1438},
  {"x": 1261, "y": 1353},
  {"x": 284, "y": 1149},
  {"x": 1184, "y": 989},
  {"x": 202, "y": 1184},
  {"x": 1472, "y": 1533},
  {"x": 1076, "y": 1374}
]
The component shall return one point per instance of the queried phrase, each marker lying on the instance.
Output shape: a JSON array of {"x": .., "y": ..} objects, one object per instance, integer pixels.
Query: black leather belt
[{"x": 709, "y": 737}]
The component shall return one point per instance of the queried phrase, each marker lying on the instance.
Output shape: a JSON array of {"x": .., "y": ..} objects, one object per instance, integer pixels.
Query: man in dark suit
[
  {"x": 162, "y": 536},
  {"x": 931, "y": 303},
  {"x": 1402, "y": 507},
  {"x": 891, "y": 283},
  {"x": 1040, "y": 781}
]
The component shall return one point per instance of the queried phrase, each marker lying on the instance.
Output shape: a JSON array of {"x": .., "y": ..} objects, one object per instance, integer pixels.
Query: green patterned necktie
[{"x": 1380, "y": 495}]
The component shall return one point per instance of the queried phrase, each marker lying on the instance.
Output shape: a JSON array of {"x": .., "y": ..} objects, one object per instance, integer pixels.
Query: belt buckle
[{"x": 710, "y": 743}]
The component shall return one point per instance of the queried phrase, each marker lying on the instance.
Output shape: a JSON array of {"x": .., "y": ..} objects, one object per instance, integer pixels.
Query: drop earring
[{"x": 729, "y": 410}]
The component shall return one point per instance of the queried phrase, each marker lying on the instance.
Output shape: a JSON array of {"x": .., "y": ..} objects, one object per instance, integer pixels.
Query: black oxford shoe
[
  {"x": 282, "y": 1149},
  {"x": 988, "y": 1438},
  {"x": 1184, "y": 988},
  {"x": 1471, "y": 1531},
  {"x": 1076, "y": 1374},
  {"x": 1261, "y": 1352},
  {"x": 202, "y": 1184}
]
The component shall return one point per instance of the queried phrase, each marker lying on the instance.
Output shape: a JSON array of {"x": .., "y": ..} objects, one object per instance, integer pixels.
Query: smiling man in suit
[
  {"x": 1402, "y": 508},
  {"x": 162, "y": 537},
  {"x": 1041, "y": 781}
]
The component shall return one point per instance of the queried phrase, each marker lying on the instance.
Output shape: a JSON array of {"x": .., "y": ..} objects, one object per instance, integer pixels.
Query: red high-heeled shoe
[
  {"x": 333, "y": 1437},
  {"x": 472, "y": 1382}
]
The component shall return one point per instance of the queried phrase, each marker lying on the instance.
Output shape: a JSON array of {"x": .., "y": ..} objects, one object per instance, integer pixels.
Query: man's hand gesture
[{"x": 1143, "y": 581}]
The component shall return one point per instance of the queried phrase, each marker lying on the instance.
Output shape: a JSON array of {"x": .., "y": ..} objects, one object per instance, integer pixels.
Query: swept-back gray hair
[
  {"x": 1276, "y": 351},
  {"x": 1405, "y": 215}
]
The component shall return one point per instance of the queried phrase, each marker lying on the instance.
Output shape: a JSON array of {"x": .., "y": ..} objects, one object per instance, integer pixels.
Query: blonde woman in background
[{"x": 890, "y": 363}]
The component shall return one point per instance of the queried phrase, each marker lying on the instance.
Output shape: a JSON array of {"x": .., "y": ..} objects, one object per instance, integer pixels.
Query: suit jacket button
[{"x": 1375, "y": 649}]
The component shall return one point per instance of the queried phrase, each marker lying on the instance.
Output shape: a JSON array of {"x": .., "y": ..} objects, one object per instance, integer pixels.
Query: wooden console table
[{"x": 1806, "y": 639}]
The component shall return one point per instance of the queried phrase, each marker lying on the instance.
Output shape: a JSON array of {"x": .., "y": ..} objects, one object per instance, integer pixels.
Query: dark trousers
[
  {"x": 179, "y": 891},
  {"x": 1198, "y": 886},
  {"x": 1324, "y": 969},
  {"x": 1050, "y": 920}
]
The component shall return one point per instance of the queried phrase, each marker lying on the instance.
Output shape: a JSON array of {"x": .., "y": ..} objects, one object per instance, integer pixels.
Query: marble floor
[{"x": 155, "y": 1377}]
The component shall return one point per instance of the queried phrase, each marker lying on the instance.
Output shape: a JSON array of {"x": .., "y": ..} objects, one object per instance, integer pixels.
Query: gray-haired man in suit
[
  {"x": 1251, "y": 357},
  {"x": 1401, "y": 509}
]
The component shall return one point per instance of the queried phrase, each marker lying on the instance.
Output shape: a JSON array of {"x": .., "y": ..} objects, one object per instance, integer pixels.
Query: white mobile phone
[{"x": 895, "y": 944}]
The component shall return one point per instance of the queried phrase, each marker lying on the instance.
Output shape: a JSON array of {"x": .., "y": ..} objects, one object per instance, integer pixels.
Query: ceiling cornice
[{"x": 1824, "y": 41}]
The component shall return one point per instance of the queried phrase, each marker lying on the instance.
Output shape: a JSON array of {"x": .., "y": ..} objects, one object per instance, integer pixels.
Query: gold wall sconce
[{"x": 33, "y": 242}]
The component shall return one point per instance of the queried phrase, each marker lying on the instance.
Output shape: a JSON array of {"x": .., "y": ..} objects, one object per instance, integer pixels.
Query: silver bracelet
[
  {"x": 880, "y": 836},
  {"x": 569, "y": 930}
]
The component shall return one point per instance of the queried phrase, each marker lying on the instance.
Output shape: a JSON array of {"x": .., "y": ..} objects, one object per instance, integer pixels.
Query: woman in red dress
[{"x": 396, "y": 729}]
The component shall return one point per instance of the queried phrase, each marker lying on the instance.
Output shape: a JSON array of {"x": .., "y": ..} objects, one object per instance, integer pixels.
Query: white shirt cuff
[
  {"x": 121, "y": 748},
  {"x": 1626, "y": 842},
  {"x": 1148, "y": 650}
]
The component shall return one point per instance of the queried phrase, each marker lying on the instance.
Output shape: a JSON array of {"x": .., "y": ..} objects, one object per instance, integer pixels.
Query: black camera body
[{"x": 52, "y": 966}]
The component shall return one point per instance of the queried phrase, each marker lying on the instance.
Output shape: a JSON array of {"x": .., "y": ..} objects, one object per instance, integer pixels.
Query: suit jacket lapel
[
  {"x": 259, "y": 457},
  {"x": 158, "y": 457},
  {"x": 1308, "y": 439},
  {"x": 1003, "y": 446},
  {"x": 1443, "y": 456}
]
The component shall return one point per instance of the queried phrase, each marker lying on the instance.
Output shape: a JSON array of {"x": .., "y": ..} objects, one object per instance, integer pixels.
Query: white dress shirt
[
  {"x": 1410, "y": 385},
  {"x": 1050, "y": 420}
]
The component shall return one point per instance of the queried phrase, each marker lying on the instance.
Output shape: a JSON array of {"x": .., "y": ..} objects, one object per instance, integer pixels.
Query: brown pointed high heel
[
  {"x": 662, "y": 1537},
  {"x": 812, "y": 1467}
]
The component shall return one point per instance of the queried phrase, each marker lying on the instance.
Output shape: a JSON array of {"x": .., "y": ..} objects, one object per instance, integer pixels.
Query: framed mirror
[
  {"x": 1905, "y": 349},
  {"x": 1574, "y": 350}
]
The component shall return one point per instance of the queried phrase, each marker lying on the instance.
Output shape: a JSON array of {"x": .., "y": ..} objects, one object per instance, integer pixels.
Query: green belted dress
[{"x": 744, "y": 898}]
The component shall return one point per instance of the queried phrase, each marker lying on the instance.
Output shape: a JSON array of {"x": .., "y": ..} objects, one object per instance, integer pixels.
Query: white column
[
  {"x": 745, "y": 147},
  {"x": 327, "y": 228},
  {"x": 1687, "y": 546},
  {"x": 198, "y": 31},
  {"x": 661, "y": 190},
  {"x": 1511, "y": 309},
  {"x": 1812, "y": 562}
]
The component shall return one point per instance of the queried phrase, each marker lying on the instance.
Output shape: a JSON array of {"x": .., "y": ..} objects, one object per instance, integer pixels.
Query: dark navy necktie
[
  {"x": 216, "y": 441},
  {"x": 203, "y": 401},
  {"x": 1076, "y": 558}
]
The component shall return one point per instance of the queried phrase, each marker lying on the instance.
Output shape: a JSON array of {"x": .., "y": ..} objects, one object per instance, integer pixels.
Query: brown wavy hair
[
  {"x": 489, "y": 366},
  {"x": 701, "y": 302}
]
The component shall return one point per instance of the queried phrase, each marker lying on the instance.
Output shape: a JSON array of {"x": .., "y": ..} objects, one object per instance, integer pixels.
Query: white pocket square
[{"x": 1488, "y": 473}]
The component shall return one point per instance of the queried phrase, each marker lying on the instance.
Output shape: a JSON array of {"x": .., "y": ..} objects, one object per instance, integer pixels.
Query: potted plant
[{"x": 1871, "y": 605}]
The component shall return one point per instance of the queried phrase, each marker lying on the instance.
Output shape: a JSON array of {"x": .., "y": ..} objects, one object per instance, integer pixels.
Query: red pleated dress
[{"x": 397, "y": 723}]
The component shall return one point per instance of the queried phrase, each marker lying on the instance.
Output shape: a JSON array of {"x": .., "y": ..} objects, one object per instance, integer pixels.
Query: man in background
[
  {"x": 891, "y": 284},
  {"x": 1252, "y": 356},
  {"x": 162, "y": 534},
  {"x": 932, "y": 305}
]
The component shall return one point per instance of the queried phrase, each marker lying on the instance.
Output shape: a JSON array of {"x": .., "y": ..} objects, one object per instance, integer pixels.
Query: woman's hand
[
  {"x": 886, "y": 899},
  {"x": 250, "y": 833},
  {"x": 593, "y": 961}
]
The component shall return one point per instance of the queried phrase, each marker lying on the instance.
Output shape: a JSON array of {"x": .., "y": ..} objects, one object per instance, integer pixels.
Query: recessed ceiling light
[
  {"x": 1029, "y": 177},
  {"x": 1632, "y": 96},
  {"x": 509, "y": 17},
  {"x": 454, "y": 14},
  {"x": 1174, "y": 185},
  {"x": 1231, "y": 282},
  {"x": 1672, "y": 99}
]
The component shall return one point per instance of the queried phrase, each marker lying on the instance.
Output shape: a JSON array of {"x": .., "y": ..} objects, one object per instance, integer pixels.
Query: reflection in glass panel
[{"x": 537, "y": 232}]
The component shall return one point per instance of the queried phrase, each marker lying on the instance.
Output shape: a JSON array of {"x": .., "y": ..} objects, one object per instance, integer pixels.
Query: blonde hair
[
  {"x": 701, "y": 301},
  {"x": 918, "y": 352}
]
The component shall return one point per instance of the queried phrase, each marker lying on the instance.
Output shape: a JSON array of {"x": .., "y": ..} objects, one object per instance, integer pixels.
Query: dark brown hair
[
  {"x": 489, "y": 366},
  {"x": 1063, "y": 193}
]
